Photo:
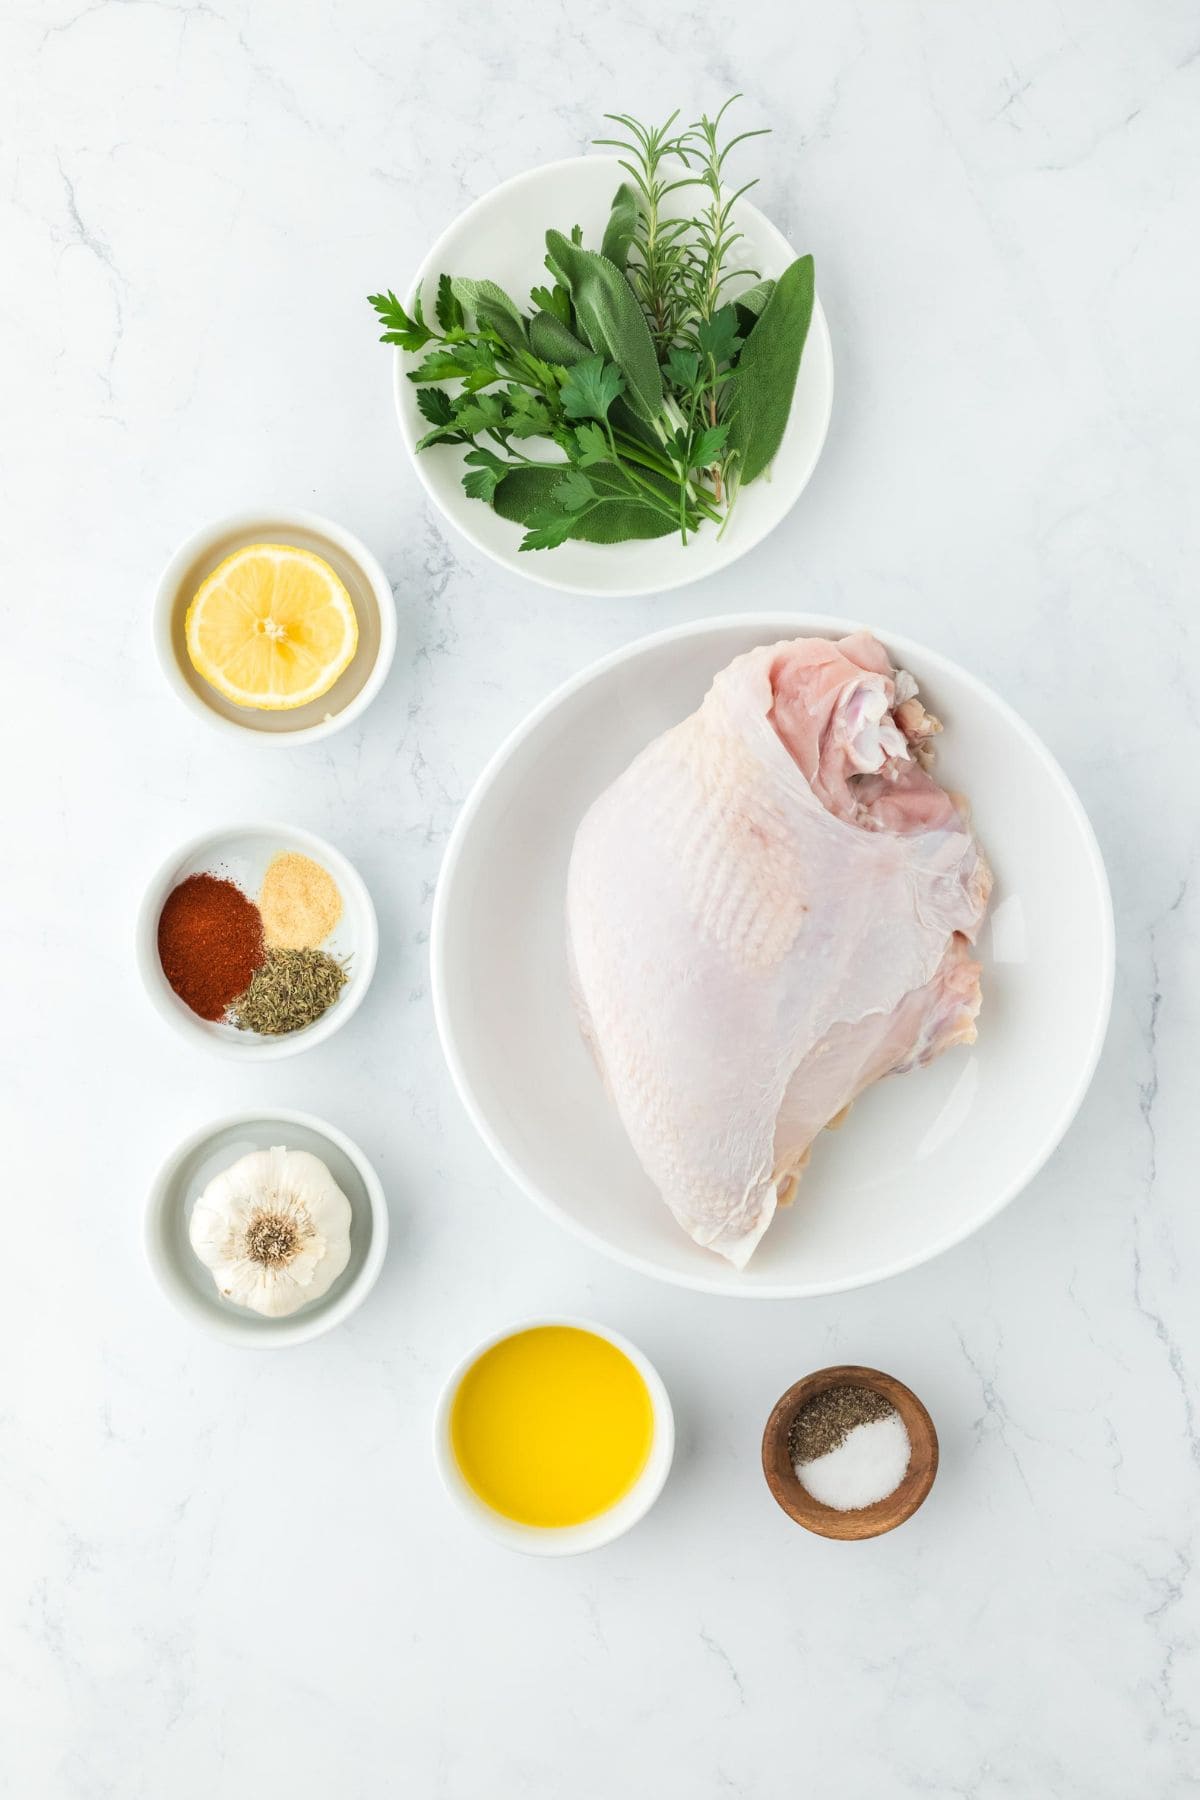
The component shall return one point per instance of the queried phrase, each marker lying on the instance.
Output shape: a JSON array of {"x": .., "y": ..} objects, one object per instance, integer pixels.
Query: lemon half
[{"x": 273, "y": 627}]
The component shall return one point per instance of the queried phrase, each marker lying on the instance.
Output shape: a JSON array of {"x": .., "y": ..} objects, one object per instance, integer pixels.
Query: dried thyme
[{"x": 291, "y": 990}]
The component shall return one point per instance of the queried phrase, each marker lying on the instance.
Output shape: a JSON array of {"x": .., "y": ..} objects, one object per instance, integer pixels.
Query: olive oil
[{"x": 552, "y": 1426}]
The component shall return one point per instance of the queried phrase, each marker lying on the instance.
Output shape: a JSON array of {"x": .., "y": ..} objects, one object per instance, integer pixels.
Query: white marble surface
[{"x": 226, "y": 1575}]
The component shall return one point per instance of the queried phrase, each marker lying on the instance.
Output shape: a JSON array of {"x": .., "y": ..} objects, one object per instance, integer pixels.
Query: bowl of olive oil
[{"x": 554, "y": 1436}]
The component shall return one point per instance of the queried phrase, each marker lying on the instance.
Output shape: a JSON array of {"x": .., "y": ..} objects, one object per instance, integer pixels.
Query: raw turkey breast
[{"x": 768, "y": 911}]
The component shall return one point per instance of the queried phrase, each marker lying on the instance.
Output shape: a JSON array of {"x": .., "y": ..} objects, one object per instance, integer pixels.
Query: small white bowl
[
  {"x": 366, "y": 583},
  {"x": 503, "y": 236},
  {"x": 186, "y": 1282},
  {"x": 242, "y": 853},
  {"x": 564, "y": 1540}
]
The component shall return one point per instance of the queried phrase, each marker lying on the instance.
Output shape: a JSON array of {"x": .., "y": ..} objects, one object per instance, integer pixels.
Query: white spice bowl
[
  {"x": 189, "y": 1285},
  {"x": 242, "y": 853},
  {"x": 561, "y": 1540},
  {"x": 370, "y": 592}
]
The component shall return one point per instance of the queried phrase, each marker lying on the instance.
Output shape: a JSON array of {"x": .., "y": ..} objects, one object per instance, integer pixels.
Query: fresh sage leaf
[
  {"x": 493, "y": 309},
  {"x": 550, "y": 340},
  {"x": 526, "y": 491},
  {"x": 617, "y": 520},
  {"x": 622, "y": 418},
  {"x": 612, "y": 321},
  {"x": 528, "y": 496},
  {"x": 560, "y": 280},
  {"x": 622, "y": 223},
  {"x": 559, "y": 273},
  {"x": 760, "y": 393},
  {"x": 754, "y": 300}
]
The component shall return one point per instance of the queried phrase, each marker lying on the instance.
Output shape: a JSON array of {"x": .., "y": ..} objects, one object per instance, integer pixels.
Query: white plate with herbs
[{"x": 746, "y": 389}]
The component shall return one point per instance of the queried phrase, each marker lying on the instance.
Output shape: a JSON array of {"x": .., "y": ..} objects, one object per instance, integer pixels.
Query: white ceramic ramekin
[
  {"x": 189, "y": 1285},
  {"x": 368, "y": 587},
  {"x": 238, "y": 851},
  {"x": 565, "y": 1540}
]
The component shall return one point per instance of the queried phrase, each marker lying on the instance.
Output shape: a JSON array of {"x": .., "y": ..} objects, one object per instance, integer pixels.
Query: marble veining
[{"x": 232, "y": 1575}]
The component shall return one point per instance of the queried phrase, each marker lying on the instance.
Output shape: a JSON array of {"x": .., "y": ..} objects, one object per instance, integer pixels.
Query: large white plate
[
  {"x": 502, "y": 238},
  {"x": 925, "y": 1158}
]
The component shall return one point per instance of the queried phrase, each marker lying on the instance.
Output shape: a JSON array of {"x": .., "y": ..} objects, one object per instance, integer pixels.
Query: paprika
[{"x": 210, "y": 942}]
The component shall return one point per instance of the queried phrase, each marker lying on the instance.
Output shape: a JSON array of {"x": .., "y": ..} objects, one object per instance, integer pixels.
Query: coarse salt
[{"x": 868, "y": 1465}]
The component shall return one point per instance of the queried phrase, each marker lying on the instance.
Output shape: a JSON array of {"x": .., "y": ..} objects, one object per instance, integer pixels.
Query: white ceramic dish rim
[
  {"x": 168, "y": 1004},
  {"x": 297, "y": 1329},
  {"x": 818, "y": 328},
  {"x": 565, "y": 1540},
  {"x": 909, "y": 652},
  {"x": 249, "y": 521}
]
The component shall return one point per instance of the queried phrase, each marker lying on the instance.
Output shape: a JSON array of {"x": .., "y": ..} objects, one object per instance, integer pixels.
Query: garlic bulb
[{"x": 274, "y": 1229}]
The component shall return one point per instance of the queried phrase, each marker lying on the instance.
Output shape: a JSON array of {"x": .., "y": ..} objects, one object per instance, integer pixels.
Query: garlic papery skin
[{"x": 273, "y": 1230}]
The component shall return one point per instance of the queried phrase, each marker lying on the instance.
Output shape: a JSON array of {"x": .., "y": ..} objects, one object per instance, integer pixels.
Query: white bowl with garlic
[{"x": 266, "y": 1228}]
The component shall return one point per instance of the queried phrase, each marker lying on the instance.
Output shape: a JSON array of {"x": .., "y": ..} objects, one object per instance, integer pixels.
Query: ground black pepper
[{"x": 827, "y": 1420}]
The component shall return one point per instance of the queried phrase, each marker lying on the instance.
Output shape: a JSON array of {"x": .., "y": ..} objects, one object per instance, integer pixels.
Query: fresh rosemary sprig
[
  {"x": 706, "y": 254},
  {"x": 656, "y": 269},
  {"x": 689, "y": 269}
]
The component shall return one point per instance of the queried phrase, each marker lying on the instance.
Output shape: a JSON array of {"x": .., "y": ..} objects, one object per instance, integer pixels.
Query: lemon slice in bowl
[{"x": 272, "y": 628}]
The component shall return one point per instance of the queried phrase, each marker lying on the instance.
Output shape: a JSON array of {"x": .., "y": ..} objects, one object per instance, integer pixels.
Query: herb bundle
[{"x": 644, "y": 386}]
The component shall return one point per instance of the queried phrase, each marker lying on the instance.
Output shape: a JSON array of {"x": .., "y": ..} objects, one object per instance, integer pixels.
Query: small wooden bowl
[{"x": 866, "y": 1521}]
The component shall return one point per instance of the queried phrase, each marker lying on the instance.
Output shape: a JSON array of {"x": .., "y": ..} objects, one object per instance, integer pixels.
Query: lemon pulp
[
  {"x": 552, "y": 1426},
  {"x": 272, "y": 627}
]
